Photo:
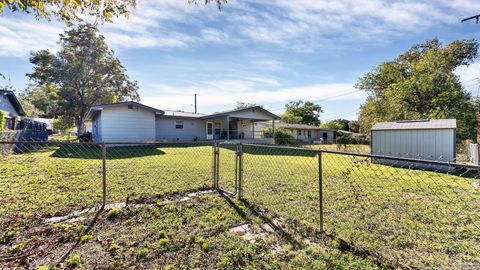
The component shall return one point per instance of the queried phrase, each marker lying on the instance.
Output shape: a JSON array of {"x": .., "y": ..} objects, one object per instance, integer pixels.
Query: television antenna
[{"x": 476, "y": 17}]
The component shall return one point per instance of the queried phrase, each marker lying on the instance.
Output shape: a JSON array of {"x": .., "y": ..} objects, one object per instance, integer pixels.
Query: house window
[
  {"x": 309, "y": 134},
  {"x": 179, "y": 124},
  {"x": 300, "y": 132}
]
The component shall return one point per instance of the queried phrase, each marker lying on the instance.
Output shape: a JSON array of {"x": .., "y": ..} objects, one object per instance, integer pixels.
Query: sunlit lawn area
[{"x": 399, "y": 216}]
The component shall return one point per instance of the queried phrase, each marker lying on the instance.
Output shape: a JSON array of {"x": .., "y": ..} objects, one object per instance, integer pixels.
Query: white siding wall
[
  {"x": 431, "y": 144},
  {"x": 123, "y": 124},
  {"x": 166, "y": 130}
]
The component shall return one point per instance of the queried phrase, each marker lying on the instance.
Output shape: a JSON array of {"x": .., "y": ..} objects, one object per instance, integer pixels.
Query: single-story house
[
  {"x": 13, "y": 111},
  {"x": 17, "y": 125},
  {"x": 308, "y": 133},
  {"x": 305, "y": 133},
  {"x": 420, "y": 139},
  {"x": 134, "y": 122}
]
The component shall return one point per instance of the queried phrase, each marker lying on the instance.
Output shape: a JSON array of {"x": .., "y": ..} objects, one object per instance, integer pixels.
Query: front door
[{"x": 209, "y": 130}]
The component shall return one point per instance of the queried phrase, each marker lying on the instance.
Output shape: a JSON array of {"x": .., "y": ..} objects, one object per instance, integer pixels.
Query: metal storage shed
[{"x": 419, "y": 139}]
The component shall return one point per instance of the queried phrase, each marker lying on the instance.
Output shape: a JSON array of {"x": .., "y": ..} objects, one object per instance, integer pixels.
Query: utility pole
[{"x": 195, "y": 103}]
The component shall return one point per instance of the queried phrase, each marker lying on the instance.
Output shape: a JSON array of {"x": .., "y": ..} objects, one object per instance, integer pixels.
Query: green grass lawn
[{"x": 398, "y": 216}]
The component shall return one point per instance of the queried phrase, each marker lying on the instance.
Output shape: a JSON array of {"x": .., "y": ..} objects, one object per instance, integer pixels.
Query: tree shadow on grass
[
  {"x": 95, "y": 152},
  {"x": 255, "y": 211}
]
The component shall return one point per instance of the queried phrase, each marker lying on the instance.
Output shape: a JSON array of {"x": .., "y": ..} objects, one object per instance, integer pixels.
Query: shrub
[
  {"x": 113, "y": 213},
  {"x": 282, "y": 136},
  {"x": 74, "y": 261},
  {"x": 85, "y": 238},
  {"x": 352, "y": 140}
]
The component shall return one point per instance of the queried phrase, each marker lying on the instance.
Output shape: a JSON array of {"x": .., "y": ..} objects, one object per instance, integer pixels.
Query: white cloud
[
  {"x": 302, "y": 25},
  {"x": 18, "y": 37},
  {"x": 218, "y": 94}
]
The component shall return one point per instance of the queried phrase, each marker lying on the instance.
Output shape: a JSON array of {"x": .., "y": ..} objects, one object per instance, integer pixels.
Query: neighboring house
[
  {"x": 304, "y": 133},
  {"x": 422, "y": 139},
  {"x": 13, "y": 111},
  {"x": 311, "y": 134},
  {"x": 135, "y": 122},
  {"x": 17, "y": 125}
]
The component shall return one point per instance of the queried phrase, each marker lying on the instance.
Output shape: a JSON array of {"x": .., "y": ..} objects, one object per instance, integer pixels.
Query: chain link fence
[{"x": 407, "y": 213}]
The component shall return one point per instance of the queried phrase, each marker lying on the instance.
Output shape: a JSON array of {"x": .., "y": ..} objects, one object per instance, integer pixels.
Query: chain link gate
[{"x": 228, "y": 168}]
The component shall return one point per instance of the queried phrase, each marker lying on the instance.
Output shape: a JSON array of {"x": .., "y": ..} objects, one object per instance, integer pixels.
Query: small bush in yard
[
  {"x": 142, "y": 253},
  {"x": 74, "y": 261},
  {"x": 113, "y": 213},
  {"x": 85, "y": 238}
]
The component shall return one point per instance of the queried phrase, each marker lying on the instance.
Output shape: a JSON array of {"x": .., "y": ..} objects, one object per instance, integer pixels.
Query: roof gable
[
  {"x": 10, "y": 95},
  {"x": 97, "y": 108},
  {"x": 237, "y": 111}
]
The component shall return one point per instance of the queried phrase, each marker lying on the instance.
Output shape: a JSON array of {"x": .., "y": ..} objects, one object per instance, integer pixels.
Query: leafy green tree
[
  {"x": 337, "y": 124},
  {"x": 64, "y": 124},
  {"x": 421, "y": 84},
  {"x": 72, "y": 10},
  {"x": 302, "y": 112},
  {"x": 42, "y": 100},
  {"x": 82, "y": 74}
]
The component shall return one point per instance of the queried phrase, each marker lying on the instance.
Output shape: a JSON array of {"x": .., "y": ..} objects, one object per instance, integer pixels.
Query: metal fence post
[
  {"x": 320, "y": 189},
  {"x": 217, "y": 168},
  {"x": 214, "y": 165},
  {"x": 240, "y": 171},
  {"x": 104, "y": 175}
]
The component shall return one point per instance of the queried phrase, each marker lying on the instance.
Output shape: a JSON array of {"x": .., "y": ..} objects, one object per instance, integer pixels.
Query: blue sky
[{"x": 265, "y": 51}]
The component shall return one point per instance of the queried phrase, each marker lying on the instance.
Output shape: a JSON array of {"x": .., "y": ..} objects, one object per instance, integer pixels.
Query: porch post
[
  {"x": 253, "y": 129},
  {"x": 273, "y": 130},
  {"x": 228, "y": 128}
]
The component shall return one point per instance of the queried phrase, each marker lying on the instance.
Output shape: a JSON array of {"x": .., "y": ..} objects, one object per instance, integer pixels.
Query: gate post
[
  {"x": 320, "y": 189},
  {"x": 240, "y": 171}
]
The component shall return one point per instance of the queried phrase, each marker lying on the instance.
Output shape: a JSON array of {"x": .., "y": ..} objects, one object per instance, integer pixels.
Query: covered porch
[{"x": 241, "y": 125}]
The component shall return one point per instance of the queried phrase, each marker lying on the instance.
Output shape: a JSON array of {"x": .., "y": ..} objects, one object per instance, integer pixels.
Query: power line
[
  {"x": 325, "y": 99},
  {"x": 340, "y": 115}
]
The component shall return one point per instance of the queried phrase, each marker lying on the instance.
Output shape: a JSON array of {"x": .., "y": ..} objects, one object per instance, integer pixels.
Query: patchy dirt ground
[{"x": 203, "y": 230}]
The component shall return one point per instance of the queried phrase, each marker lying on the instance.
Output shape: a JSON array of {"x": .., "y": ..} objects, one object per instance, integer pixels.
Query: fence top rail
[
  {"x": 281, "y": 147},
  {"x": 107, "y": 143},
  {"x": 413, "y": 160}
]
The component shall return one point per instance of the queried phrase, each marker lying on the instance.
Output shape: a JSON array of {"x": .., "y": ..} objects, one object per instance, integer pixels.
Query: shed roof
[{"x": 417, "y": 124}]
